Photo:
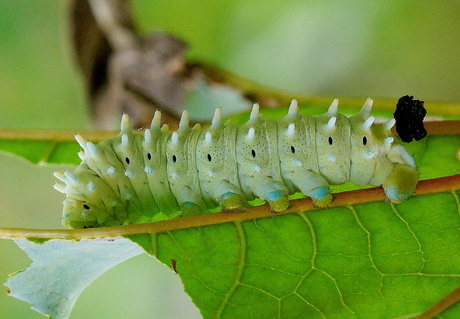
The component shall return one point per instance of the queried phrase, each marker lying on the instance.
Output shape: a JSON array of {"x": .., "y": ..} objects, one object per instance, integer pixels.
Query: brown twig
[{"x": 439, "y": 307}]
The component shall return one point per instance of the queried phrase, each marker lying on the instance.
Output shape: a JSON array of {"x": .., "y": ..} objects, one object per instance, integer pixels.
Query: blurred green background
[{"x": 333, "y": 48}]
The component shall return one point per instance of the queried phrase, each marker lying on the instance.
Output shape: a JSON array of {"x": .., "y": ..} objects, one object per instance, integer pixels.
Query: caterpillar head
[
  {"x": 374, "y": 149},
  {"x": 394, "y": 152}
]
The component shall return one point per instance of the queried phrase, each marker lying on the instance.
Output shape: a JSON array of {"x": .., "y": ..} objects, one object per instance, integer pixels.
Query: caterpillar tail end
[
  {"x": 401, "y": 183},
  {"x": 395, "y": 196}
]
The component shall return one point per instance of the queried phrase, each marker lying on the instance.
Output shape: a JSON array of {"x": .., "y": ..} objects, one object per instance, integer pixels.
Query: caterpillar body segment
[
  {"x": 258, "y": 163},
  {"x": 215, "y": 159},
  {"x": 135, "y": 178},
  {"x": 155, "y": 167}
]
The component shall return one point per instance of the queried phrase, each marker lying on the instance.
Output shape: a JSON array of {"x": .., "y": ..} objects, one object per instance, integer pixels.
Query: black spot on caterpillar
[
  {"x": 409, "y": 116},
  {"x": 135, "y": 178}
]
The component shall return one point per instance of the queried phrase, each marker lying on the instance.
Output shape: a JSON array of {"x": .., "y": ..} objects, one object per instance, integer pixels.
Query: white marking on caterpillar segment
[
  {"x": 389, "y": 124},
  {"x": 156, "y": 121},
  {"x": 256, "y": 168},
  {"x": 251, "y": 134},
  {"x": 333, "y": 107},
  {"x": 293, "y": 110},
  {"x": 388, "y": 140},
  {"x": 254, "y": 117},
  {"x": 291, "y": 130},
  {"x": 92, "y": 148},
  {"x": 91, "y": 187},
  {"x": 129, "y": 173},
  {"x": 149, "y": 170},
  {"x": 111, "y": 171},
  {"x": 297, "y": 163},
  {"x": 208, "y": 138},
  {"x": 369, "y": 154},
  {"x": 217, "y": 119},
  {"x": 367, "y": 107},
  {"x": 331, "y": 157},
  {"x": 124, "y": 140},
  {"x": 70, "y": 176},
  {"x": 368, "y": 123},
  {"x": 331, "y": 123},
  {"x": 60, "y": 187},
  {"x": 147, "y": 136},
  {"x": 184, "y": 121},
  {"x": 125, "y": 122},
  {"x": 81, "y": 141},
  {"x": 175, "y": 138},
  {"x": 60, "y": 176}
]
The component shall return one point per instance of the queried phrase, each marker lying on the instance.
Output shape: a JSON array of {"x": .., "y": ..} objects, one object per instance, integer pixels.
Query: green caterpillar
[{"x": 135, "y": 178}]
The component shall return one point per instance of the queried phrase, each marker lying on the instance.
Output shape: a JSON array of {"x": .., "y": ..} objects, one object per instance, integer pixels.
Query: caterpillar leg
[
  {"x": 190, "y": 209},
  {"x": 313, "y": 185},
  {"x": 231, "y": 201},
  {"x": 229, "y": 196},
  {"x": 278, "y": 201},
  {"x": 275, "y": 193},
  {"x": 189, "y": 202},
  {"x": 321, "y": 197},
  {"x": 401, "y": 182}
]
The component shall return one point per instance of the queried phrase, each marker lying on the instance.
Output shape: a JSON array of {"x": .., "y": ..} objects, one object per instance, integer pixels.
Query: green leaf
[
  {"x": 45, "y": 151},
  {"x": 357, "y": 261},
  {"x": 61, "y": 270},
  {"x": 46, "y": 146},
  {"x": 370, "y": 260}
]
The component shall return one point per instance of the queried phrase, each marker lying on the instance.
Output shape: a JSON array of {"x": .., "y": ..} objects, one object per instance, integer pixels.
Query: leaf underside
[
  {"x": 370, "y": 260},
  {"x": 61, "y": 270},
  {"x": 363, "y": 261}
]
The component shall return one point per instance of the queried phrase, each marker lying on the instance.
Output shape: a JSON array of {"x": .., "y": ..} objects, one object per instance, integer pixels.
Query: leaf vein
[
  {"x": 369, "y": 248},
  {"x": 338, "y": 290},
  {"x": 422, "y": 254},
  {"x": 277, "y": 242},
  {"x": 241, "y": 263}
]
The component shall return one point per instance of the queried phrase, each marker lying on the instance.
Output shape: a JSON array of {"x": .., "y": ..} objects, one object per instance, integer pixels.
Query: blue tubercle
[
  {"x": 227, "y": 195},
  {"x": 320, "y": 192},
  {"x": 274, "y": 196}
]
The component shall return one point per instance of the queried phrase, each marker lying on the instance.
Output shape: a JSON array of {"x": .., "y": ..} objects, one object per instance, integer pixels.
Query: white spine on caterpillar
[{"x": 135, "y": 178}]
